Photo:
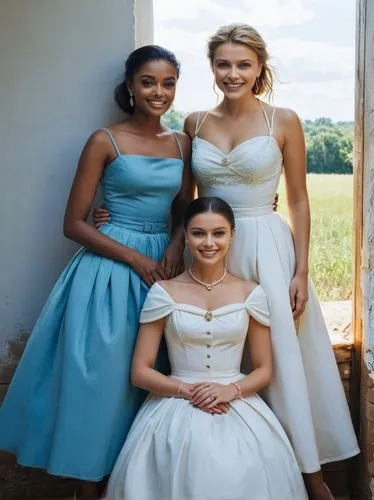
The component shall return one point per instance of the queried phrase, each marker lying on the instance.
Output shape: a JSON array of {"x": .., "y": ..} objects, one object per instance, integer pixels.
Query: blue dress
[{"x": 71, "y": 402}]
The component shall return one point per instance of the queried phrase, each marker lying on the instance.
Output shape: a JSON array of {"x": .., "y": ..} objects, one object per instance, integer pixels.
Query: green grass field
[{"x": 330, "y": 263}]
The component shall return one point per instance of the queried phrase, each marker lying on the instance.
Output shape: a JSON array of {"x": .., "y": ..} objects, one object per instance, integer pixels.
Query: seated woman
[{"x": 204, "y": 433}]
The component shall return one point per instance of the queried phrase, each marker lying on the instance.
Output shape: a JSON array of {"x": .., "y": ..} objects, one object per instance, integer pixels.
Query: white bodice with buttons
[
  {"x": 174, "y": 450},
  {"x": 201, "y": 342}
]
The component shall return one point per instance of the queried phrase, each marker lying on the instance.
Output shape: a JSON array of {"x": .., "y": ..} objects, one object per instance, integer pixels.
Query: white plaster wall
[
  {"x": 144, "y": 28},
  {"x": 59, "y": 63}
]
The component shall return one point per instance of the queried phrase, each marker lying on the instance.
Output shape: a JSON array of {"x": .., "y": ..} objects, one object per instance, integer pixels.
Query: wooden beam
[
  {"x": 358, "y": 174},
  {"x": 358, "y": 192}
]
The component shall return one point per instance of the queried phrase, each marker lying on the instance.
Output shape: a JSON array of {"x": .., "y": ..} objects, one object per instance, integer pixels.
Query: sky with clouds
[{"x": 311, "y": 43}]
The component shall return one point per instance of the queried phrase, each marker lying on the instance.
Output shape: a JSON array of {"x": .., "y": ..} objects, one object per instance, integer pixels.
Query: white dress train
[
  {"x": 175, "y": 451},
  {"x": 306, "y": 393}
]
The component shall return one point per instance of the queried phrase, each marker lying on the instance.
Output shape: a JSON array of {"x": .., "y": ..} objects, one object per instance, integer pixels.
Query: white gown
[
  {"x": 306, "y": 393},
  {"x": 175, "y": 451}
]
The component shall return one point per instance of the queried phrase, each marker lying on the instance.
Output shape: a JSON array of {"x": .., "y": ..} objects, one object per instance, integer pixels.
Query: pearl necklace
[{"x": 208, "y": 286}]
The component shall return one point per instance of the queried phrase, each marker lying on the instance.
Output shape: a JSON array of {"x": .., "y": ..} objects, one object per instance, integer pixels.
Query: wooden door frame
[
  {"x": 359, "y": 372},
  {"x": 358, "y": 194}
]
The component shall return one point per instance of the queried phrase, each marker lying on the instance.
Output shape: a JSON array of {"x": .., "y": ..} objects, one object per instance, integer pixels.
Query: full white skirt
[
  {"x": 177, "y": 452},
  {"x": 306, "y": 392}
]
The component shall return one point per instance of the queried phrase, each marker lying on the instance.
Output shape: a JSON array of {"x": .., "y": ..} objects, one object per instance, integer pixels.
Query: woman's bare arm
[
  {"x": 294, "y": 157},
  {"x": 262, "y": 359},
  {"x": 91, "y": 164},
  {"x": 172, "y": 261},
  {"x": 143, "y": 373},
  {"x": 187, "y": 190}
]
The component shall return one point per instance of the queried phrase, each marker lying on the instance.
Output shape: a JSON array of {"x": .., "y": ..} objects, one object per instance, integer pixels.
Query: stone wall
[
  {"x": 340, "y": 476},
  {"x": 367, "y": 436}
]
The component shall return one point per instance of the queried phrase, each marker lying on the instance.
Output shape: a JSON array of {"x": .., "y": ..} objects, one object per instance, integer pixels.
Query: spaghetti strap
[
  {"x": 178, "y": 143},
  {"x": 266, "y": 117},
  {"x": 112, "y": 141},
  {"x": 272, "y": 122},
  {"x": 199, "y": 125}
]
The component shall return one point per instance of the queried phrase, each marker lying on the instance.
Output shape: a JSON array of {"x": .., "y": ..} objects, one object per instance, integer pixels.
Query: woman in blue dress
[{"x": 71, "y": 403}]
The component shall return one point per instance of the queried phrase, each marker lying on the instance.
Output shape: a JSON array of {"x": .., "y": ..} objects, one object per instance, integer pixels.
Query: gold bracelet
[
  {"x": 238, "y": 388},
  {"x": 179, "y": 389}
]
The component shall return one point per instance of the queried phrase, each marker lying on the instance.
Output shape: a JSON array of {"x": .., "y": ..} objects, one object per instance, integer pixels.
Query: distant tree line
[
  {"x": 329, "y": 144},
  {"x": 174, "y": 119}
]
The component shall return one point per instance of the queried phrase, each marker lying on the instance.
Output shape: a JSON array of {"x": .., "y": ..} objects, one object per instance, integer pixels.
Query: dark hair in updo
[
  {"x": 133, "y": 63},
  {"x": 209, "y": 204}
]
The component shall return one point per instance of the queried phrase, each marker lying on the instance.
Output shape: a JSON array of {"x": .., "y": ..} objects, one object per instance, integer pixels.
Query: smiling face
[
  {"x": 236, "y": 68},
  {"x": 154, "y": 86},
  {"x": 209, "y": 236}
]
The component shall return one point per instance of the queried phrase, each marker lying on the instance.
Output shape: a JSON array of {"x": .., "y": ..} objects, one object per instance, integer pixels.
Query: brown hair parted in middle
[
  {"x": 209, "y": 204},
  {"x": 245, "y": 35}
]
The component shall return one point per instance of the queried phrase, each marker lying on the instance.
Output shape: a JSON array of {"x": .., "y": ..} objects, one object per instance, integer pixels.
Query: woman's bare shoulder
[
  {"x": 286, "y": 115},
  {"x": 185, "y": 142},
  {"x": 280, "y": 113},
  {"x": 99, "y": 143},
  {"x": 245, "y": 287},
  {"x": 192, "y": 120},
  {"x": 174, "y": 282}
]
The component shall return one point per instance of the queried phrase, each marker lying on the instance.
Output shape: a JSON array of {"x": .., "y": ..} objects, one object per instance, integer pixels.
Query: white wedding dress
[
  {"x": 306, "y": 393},
  {"x": 175, "y": 451}
]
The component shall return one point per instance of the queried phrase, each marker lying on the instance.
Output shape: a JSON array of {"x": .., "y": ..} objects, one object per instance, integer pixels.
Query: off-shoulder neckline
[{"x": 233, "y": 305}]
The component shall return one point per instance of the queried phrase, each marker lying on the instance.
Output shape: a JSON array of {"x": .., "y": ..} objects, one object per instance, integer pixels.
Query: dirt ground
[{"x": 338, "y": 316}]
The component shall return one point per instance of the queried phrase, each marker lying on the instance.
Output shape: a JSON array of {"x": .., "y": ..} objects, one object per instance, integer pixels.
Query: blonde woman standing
[{"x": 239, "y": 150}]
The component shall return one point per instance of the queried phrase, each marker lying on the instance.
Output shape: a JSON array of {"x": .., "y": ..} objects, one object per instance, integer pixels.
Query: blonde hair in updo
[{"x": 251, "y": 38}]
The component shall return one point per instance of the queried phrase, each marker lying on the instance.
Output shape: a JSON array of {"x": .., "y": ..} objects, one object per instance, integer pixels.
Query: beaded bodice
[{"x": 246, "y": 177}]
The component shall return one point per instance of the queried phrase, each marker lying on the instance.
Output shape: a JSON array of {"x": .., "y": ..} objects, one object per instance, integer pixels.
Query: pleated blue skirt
[{"x": 71, "y": 402}]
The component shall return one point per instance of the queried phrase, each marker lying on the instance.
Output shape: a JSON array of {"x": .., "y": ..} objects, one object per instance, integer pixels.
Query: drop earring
[{"x": 131, "y": 99}]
